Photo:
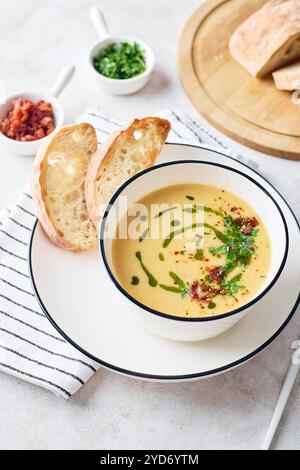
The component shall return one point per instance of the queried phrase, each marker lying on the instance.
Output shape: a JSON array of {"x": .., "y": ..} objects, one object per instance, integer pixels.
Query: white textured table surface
[{"x": 37, "y": 38}]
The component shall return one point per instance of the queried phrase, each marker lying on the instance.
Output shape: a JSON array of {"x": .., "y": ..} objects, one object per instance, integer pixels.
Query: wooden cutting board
[{"x": 249, "y": 110}]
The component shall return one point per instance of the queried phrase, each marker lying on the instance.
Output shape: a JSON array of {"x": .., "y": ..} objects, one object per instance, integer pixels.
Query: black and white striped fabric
[{"x": 30, "y": 348}]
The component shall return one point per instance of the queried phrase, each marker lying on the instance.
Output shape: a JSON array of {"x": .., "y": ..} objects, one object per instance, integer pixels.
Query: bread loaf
[
  {"x": 268, "y": 39},
  {"x": 288, "y": 78}
]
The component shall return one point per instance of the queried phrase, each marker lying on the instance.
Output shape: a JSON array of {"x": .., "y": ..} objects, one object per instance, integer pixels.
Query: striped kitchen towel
[{"x": 30, "y": 347}]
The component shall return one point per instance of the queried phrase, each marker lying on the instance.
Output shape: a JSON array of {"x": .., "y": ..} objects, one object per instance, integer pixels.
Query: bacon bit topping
[
  {"x": 28, "y": 121},
  {"x": 194, "y": 291},
  {"x": 206, "y": 299},
  {"x": 216, "y": 274},
  {"x": 246, "y": 224}
]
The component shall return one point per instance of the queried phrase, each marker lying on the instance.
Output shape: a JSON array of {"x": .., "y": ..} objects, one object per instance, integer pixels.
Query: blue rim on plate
[
  {"x": 181, "y": 377},
  {"x": 173, "y": 317}
]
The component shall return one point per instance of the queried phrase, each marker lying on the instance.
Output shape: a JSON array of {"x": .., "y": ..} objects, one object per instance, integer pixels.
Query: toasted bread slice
[
  {"x": 126, "y": 153},
  {"x": 58, "y": 181}
]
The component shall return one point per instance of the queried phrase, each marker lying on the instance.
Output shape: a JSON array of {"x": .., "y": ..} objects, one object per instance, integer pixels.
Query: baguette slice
[
  {"x": 269, "y": 39},
  {"x": 125, "y": 153},
  {"x": 57, "y": 184},
  {"x": 288, "y": 78}
]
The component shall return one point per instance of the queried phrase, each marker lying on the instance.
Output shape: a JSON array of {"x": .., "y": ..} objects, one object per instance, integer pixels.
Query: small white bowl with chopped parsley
[{"x": 122, "y": 65}]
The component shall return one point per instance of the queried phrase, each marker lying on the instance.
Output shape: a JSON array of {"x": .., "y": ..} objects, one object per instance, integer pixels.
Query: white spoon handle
[
  {"x": 62, "y": 80},
  {"x": 281, "y": 404},
  {"x": 99, "y": 23}
]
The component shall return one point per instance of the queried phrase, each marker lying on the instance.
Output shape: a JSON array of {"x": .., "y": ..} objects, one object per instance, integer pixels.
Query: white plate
[{"x": 68, "y": 288}]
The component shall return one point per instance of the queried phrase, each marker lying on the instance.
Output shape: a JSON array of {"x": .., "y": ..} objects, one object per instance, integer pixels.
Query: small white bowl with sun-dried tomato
[{"x": 26, "y": 120}]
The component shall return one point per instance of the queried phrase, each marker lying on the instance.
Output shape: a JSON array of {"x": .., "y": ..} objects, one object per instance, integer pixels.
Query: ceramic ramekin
[
  {"x": 127, "y": 86},
  {"x": 112, "y": 85},
  {"x": 31, "y": 147},
  {"x": 196, "y": 172}
]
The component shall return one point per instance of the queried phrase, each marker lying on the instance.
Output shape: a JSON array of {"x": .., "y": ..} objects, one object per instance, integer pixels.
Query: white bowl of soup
[{"x": 192, "y": 247}]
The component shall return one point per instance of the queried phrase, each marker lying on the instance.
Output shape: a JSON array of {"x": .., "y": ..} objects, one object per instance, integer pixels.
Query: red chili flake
[
  {"x": 176, "y": 253},
  {"x": 234, "y": 209}
]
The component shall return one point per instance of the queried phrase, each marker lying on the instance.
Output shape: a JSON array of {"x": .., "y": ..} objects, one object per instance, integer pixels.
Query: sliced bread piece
[
  {"x": 125, "y": 153},
  {"x": 58, "y": 180},
  {"x": 288, "y": 78},
  {"x": 268, "y": 39}
]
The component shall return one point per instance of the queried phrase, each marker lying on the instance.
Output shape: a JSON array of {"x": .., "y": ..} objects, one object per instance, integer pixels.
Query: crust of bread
[
  {"x": 155, "y": 130},
  {"x": 268, "y": 39},
  {"x": 288, "y": 78},
  {"x": 38, "y": 187}
]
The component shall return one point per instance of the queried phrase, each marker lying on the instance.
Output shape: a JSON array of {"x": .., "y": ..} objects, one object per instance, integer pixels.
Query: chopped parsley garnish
[
  {"x": 232, "y": 287},
  {"x": 175, "y": 290},
  {"x": 212, "y": 305},
  {"x": 199, "y": 255},
  {"x": 237, "y": 246},
  {"x": 120, "y": 61},
  {"x": 135, "y": 280},
  {"x": 191, "y": 198},
  {"x": 177, "y": 279},
  {"x": 181, "y": 288}
]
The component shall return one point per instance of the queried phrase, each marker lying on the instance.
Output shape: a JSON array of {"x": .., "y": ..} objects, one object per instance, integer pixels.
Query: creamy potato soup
[{"x": 191, "y": 251}]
